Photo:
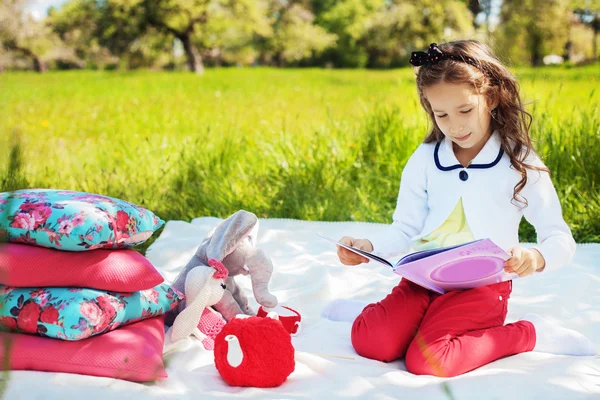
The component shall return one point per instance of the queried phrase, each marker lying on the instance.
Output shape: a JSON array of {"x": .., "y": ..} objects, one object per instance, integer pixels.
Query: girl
[{"x": 474, "y": 177}]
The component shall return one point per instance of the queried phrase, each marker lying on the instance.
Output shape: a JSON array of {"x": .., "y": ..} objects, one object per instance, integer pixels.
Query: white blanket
[{"x": 307, "y": 276}]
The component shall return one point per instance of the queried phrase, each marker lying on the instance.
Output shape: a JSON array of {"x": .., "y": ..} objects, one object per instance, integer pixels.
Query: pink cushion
[
  {"x": 115, "y": 270},
  {"x": 132, "y": 352}
]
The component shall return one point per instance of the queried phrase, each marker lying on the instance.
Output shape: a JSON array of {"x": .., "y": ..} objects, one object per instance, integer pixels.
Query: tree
[
  {"x": 234, "y": 34},
  {"x": 378, "y": 33},
  {"x": 382, "y": 33},
  {"x": 481, "y": 7},
  {"x": 347, "y": 19},
  {"x": 530, "y": 29},
  {"x": 478, "y": 7},
  {"x": 185, "y": 20},
  {"x": 123, "y": 22},
  {"x": 21, "y": 34},
  {"x": 293, "y": 36},
  {"x": 180, "y": 18},
  {"x": 588, "y": 12},
  {"x": 77, "y": 25}
]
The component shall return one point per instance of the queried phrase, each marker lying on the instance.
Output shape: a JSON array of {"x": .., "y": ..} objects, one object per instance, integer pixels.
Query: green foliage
[
  {"x": 531, "y": 29},
  {"x": 401, "y": 27},
  {"x": 377, "y": 33},
  {"x": 348, "y": 20},
  {"x": 24, "y": 37},
  {"x": 171, "y": 34},
  {"x": 76, "y": 25},
  {"x": 294, "y": 36},
  {"x": 307, "y": 144}
]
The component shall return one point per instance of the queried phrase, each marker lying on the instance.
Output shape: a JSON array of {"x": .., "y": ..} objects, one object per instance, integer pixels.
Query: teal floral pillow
[
  {"x": 73, "y": 221},
  {"x": 77, "y": 313}
]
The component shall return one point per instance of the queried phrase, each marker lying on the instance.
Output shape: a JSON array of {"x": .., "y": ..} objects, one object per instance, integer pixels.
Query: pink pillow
[
  {"x": 132, "y": 352},
  {"x": 115, "y": 270}
]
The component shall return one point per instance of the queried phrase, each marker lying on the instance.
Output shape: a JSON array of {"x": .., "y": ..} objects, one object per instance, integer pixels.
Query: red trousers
[{"x": 442, "y": 335}]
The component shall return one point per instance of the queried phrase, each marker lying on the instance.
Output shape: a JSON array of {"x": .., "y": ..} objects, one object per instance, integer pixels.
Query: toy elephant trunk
[{"x": 262, "y": 269}]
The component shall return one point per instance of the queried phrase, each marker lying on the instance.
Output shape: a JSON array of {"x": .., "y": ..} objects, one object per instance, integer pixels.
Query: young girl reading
[{"x": 474, "y": 177}]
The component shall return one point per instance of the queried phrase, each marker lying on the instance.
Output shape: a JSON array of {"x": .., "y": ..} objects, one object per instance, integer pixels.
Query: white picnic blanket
[{"x": 307, "y": 276}]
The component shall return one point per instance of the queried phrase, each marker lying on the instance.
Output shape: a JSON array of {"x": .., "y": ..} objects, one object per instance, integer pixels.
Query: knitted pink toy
[{"x": 211, "y": 323}]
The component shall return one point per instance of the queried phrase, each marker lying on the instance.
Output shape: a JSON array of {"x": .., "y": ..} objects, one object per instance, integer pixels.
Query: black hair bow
[{"x": 433, "y": 56}]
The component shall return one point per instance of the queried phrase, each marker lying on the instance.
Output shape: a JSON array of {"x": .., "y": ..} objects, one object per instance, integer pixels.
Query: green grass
[{"x": 307, "y": 144}]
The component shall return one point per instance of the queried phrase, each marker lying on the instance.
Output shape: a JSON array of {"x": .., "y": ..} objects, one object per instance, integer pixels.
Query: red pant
[{"x": 442, "y": 335}]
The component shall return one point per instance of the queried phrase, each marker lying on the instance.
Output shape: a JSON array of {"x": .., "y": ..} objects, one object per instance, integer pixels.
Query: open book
[{"x": 465, "y": 266}]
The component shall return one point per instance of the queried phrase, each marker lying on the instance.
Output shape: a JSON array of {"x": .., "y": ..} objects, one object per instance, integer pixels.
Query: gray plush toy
[{"x": 232, "y": 243}]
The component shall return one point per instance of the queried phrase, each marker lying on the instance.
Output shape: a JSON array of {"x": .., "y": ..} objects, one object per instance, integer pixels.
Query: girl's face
[{"x": 461, "y": 113}]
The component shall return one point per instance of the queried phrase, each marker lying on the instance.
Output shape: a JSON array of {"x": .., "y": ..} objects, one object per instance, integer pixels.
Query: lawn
[{"x": 303, "y": 143}]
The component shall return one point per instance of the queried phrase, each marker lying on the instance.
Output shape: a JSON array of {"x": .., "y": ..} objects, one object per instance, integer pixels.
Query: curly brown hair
[{"x": 489, "y": 77}]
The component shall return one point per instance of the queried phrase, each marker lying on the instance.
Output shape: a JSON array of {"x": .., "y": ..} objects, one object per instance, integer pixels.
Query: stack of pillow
[{"x": 73, "y": 296}]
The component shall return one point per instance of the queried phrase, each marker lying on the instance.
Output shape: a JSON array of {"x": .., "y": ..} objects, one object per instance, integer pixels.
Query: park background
[{"x": 290, "y": 109}]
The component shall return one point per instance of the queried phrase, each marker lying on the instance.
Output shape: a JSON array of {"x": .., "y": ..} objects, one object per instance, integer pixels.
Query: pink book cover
[{"x": 466, "y": 266}]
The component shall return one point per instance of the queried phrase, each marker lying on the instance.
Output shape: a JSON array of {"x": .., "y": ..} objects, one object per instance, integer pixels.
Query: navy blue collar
[{"x": 491, "y": 149}]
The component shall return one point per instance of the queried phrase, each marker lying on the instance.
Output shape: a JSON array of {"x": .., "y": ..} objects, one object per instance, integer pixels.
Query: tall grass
[{"x": 307, "y": 144}]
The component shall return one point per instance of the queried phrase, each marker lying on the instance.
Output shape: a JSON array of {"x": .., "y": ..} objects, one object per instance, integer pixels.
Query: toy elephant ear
[{"x": 229, "y": 233}]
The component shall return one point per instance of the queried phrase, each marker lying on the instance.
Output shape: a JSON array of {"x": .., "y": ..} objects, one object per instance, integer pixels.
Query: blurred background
[
  {"x": 290, "y": 109},
  {"x": 194, "y": 34}
]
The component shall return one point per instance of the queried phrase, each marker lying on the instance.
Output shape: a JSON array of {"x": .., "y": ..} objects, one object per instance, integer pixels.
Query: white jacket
[{"x": 432, "y": 183}]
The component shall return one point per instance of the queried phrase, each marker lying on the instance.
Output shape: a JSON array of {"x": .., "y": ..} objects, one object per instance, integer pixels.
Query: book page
[
  {"x": 431, "y": 252},
  {"x": 479, "y": 263}
]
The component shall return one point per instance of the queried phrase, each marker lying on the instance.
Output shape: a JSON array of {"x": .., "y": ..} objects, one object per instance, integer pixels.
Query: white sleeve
[
  {"x": 411, "y": 209},
  {"x": 555, "y": 241}
]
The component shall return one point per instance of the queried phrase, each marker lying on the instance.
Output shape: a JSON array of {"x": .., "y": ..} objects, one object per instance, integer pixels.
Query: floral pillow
[
  {"x": 73, "y": 221},
  {"x": 77, "y": 313}
]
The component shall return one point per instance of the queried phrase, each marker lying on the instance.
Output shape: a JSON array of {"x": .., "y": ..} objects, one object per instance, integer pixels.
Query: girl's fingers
[
  {"x": 344, "y": 255},
  {"x": 513, "y": 263},
  {"x": 347, "y": 240},
  {"x": 521, "y": 263},
  {"x": 522, "y": 267},
  {"x": 527, "y": 267},
  {"x": 527, "y": 270},
  {"x": 516, "y": 254},
  {"x": 348, "y": 257}
]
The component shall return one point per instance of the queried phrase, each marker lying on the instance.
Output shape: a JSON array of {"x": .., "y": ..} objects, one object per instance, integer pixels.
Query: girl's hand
[
  {"x": 349, "y": 258},
  {"x": 524, "y": 261}
]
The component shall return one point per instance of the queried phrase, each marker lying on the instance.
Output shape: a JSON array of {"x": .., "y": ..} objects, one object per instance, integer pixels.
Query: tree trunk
[
  {"x": 278, "y": 59},
  {"x": 535, "y": 46},
  {"x": 194, "y": 59},
  {"x": 38, "y": 64},
  {"x": 595, "y": 25},
  {"x": 595, "y": 46}
]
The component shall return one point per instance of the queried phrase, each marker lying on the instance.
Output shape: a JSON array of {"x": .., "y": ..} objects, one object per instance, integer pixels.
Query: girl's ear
[
  {"x": 492, "y": 97},
  {"x": 492, "y": 103}
]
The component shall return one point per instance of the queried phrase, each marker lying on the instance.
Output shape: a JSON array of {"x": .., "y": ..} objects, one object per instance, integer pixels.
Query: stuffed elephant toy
[{"x": 232, "y": 242}]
